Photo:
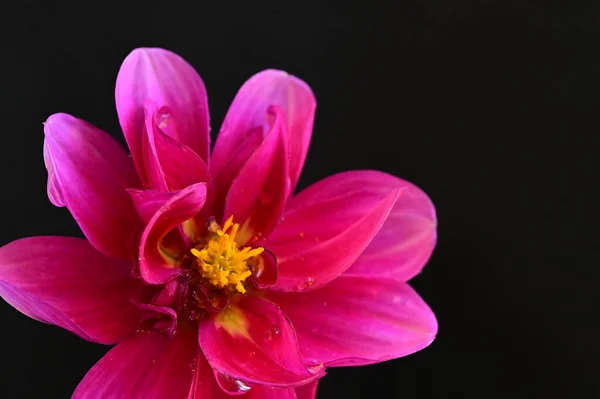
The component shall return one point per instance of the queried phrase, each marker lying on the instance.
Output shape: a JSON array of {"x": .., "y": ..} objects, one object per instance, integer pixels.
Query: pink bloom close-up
[{"x": 208, "y": 271}]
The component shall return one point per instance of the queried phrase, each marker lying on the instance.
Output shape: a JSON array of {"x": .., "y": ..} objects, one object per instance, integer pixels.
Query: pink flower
[{"x": 213, "y": 277}]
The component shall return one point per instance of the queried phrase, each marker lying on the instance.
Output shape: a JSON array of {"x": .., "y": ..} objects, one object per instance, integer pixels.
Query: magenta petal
[
  {"x": 88, "y": 173},
  {"x": 406, "y": 240},
  {"x": 204, "y": 384},
  {"x": 167, "y": 80},
  {"x": 157, "y": 263},
  {"x": 148, "y": 202},
  {"x": 321, "y": 237},
  {"x": 357, "y": 320},
  {"x": 169, "y": 165},
  {"x": 257, "y": 196},
  {"x": 253, "y": 341},
  {"x": 308, "y": 391},
  {"x": 147, "y": 365},
  {"x": 247, "y": 114},
  {"x": 66, "y": 282}
]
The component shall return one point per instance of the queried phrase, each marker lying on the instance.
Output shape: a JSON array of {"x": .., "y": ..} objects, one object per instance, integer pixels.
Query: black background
[{"x": 489, "y": 106}]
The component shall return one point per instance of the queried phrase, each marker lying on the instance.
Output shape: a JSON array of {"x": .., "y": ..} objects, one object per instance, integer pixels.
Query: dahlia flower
[{"x": 205, "y": 269}]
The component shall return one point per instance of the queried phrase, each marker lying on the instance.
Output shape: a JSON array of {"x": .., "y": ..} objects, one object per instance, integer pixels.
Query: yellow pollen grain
[{"x": 220, "y": 262}]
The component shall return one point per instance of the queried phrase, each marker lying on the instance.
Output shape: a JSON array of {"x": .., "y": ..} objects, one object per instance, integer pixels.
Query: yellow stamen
[{"x": 220, "y": 261}]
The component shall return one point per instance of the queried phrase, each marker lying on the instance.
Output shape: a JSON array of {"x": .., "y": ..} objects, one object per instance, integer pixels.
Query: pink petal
[
  {"x": 358, "y": 320},
  {"x": 155, "y": 266},
  {"x": 148, "y": 202},
  {"x": 258, "y": 194},
  {"x": 64, "y": 281},
  {"x": 167, "y": 80},
  {"x": 88, "y": 173},
  {"x": 406, "y": 240},
  {"x": 308, "y": 391},
  {"x": 320, "y": 237},
  {"x": 169, "y": 165},
  {"x": 253, "y": 341},
  {"x": 247, "y": 113},
  {"x": 147, "y": 365}
]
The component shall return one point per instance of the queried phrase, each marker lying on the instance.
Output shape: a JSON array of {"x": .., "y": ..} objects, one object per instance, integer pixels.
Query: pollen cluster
[{"x": 220, "y": 261}]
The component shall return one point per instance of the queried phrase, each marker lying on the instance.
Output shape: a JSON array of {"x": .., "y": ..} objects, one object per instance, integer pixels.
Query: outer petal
[
  {"x": 247, "y": 113},
  {"x": 167, "y": 80},
  {"x": 157, "y": 263},
  {"x": 66, "y": 282},
  {"x": 257, "y": 196},
  {"x": 308, "y": 391},
  {"x": 321, "y": 237},
  {"x": 253, "y": 341},
  {"x": 147, "y": 365},
  {"x": 357, "y": 320},
  {"x": 88, "y": 173},
  {"x": 406, "y": 240}
]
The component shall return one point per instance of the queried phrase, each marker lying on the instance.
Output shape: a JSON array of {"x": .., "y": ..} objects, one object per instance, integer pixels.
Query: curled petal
[
  {"x": 64, "y": 281},
  {"x": 258, "y": 194},
  {"x": 158, "y": 262},
  {"x": 88, "y": 173},
  {"x": 229, "y": 171},
  {"x": 147, "y": 202},
  {"x": 169, "y": 165},
  {"x": 358, "y": 320},
  {"x": 147, "y": 365},
  {"x": 321, "y": 238},
  {"x": 169, "y": 81},
  {"x": 264, "y": 270},
  {"x": 160, "y": 318},
  {"x": 253, "y": 341},
  {"x": 245, "y": 121}
]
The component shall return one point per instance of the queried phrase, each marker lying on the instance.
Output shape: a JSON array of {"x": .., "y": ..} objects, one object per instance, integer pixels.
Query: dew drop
[
  {"x": 242, "y": 386},
  {"x": 305, "y": 284},
  {"x": 273, "y": 333},
  {"x": 231, "y": 385}
]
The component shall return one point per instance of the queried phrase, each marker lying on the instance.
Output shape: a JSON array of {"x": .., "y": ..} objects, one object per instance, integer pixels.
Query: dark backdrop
[{"x": 489, "y": 106}]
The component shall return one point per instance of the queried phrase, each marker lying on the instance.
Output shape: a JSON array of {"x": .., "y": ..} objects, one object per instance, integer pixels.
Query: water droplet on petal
[
  {"x": 273, "y": 333},
  {"x": 242, "y": 386},
  {"x": 231, "y": 385}
]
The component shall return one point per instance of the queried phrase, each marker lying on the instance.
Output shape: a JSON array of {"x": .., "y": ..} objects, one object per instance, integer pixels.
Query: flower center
[{"x": 220, "y": 261}]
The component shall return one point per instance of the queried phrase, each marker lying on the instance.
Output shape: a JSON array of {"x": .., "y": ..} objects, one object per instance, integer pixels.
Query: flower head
[{"x": 206, "y": 271}]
